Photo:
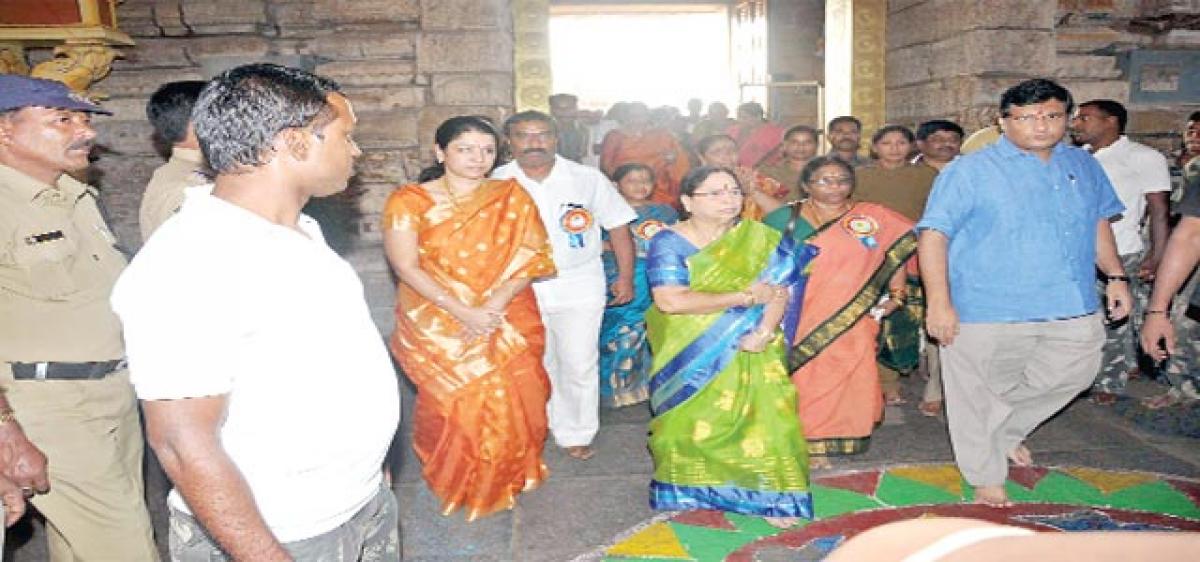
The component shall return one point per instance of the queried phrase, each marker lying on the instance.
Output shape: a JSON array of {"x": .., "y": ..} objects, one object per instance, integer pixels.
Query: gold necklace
[{"x": 450, "y": 194}]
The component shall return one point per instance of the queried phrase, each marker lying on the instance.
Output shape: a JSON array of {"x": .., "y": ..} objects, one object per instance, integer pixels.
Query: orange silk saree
[
  {"x": 656, "y": 148},
  {"x": 480, "y": 420}
]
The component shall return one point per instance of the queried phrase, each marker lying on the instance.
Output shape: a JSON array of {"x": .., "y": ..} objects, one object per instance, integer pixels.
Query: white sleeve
[
  {"x": 179, "y": 331},
  {"x": 1156, "y": 175},
  {"x": 611, "y": 209}
]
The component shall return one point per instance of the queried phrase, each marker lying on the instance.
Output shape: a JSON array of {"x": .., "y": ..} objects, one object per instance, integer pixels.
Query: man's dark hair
[
  {"x": 170, "y": 109},
  {"x": 569, "y": 98},
  {"x": 529, "y": 116},
  {"x": 844, "y": 119},
  {"x": 1195, "y": 116},
  {"x": 242, "y": 111},
  {"x": 1111, "y": 108},
  {"x": 752, "y": 108},
  {"x": 937, "y": 125},
  {"x": 1036, "y": 90}
]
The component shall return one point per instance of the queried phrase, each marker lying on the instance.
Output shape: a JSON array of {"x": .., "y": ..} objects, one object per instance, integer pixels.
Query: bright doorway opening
[{"x": 657, "y": 54}]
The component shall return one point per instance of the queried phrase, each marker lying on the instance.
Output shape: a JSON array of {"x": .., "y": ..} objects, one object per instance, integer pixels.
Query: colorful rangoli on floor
[{"x": 1048, "y": 499}]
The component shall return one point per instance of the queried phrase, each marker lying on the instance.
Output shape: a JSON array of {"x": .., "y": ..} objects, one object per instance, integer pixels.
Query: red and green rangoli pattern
[{"x": 1048, "y": 499}]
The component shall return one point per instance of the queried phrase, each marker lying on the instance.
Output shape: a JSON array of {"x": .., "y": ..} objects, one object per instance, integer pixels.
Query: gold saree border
[{"x": 833, "y": 328}]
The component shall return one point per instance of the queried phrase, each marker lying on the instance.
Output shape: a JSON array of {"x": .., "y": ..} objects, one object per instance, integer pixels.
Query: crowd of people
[{"x": 760, "y": 297}]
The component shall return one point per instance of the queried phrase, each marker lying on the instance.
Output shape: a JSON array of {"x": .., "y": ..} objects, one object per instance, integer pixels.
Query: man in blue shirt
[{"x": 1009, "y": 244}]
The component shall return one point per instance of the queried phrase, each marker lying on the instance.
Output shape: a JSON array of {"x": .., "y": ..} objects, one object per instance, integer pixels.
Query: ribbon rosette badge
[
  {"x": 648, "y": 229},
  {"x": 576, "y": 221},
  {"x": 863, "y": 228}
]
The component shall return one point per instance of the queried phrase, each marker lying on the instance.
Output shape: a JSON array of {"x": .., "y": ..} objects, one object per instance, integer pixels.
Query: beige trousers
[
  {"x": 91, "y": 436},
  {"x": 1003, "y": 380}
]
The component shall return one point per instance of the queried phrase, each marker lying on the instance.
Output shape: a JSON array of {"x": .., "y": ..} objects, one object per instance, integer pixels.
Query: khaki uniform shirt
[
  {"x": 58, "y": 264},
  {"x": 904, "y": 190},
  {"x": 164, "y": 193}
]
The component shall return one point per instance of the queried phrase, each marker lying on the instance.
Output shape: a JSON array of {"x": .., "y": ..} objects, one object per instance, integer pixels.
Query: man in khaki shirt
[
  {"x": 170, "y": 111},
  {"x": 69, "y": 427}
]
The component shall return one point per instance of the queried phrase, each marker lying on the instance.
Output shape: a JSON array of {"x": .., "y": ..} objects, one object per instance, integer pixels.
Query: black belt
[{"x": 47, "y": 371}]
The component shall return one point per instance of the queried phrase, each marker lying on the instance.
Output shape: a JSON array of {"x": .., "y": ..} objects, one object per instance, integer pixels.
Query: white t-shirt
[
  {"x": 222, "y": 302},
  {"x": 575, "y": 202},
  {"x": 1134, "y": 170}
]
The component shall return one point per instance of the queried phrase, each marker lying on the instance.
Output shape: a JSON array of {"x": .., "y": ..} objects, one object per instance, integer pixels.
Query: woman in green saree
[{"x": 725, "y": 433}]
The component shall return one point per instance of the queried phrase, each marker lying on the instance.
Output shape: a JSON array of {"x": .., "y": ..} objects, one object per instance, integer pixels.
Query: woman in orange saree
[
  {"x": 468, "y": 333},
  {"x": 855, "y": 280},
  {"x": 637, "y": 141}
]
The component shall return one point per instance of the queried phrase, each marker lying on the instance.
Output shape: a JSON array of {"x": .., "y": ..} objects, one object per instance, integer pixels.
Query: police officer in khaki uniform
[{"x": 69, "y": 430}]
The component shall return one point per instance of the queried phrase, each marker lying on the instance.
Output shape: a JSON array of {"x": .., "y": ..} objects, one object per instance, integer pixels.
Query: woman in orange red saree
[
  {"x": 856, "y": 280},
  {"x": 468, "y": 333},
  {"x": 638, "y": 141},
  {"x": 763, "y": 194}
]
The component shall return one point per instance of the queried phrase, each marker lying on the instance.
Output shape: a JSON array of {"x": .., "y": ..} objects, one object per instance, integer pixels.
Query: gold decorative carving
[
  {"x": 77, "y": 65},
  {"x": 12, "y": 58},
  {"x": 868, "y": 76},
  {"x": 854, "y": 60},
  {"x": 531, "y": 54}
]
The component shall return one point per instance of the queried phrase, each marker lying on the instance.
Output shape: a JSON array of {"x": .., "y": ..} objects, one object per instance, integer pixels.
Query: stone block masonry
[
  {"x": 953, "y": 58},
  {"x": 405, "y": 64}
]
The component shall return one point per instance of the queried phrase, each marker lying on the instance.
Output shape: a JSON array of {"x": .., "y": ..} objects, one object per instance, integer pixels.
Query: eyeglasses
[
  {"x": 1029, "y": 119},
  {"x": 830, "y": 182},
  {"x": 719, "y": 193}
]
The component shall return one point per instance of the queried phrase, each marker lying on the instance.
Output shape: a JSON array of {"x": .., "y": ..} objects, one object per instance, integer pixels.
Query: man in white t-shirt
[
  {"x": 575, "y": 202},
  {"x": 268, "y": 394},
  {"x": 1143, "y": 183}
]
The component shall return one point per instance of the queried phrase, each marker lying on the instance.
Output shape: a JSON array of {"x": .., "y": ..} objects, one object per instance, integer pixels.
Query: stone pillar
[
  {"x": 531, "y": 54},
  {"x": 854, "y": 60}
]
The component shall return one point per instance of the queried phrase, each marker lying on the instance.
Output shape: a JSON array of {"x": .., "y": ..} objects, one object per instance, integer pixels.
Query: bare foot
[
  {"x": 894, "y": 398},
  {"x": 993, "y": 496},
  {"x": 930, "y": 409},
  {"x": 819, "y": 462},
  {"x": 581, "y": 452},
  {"x": 782, "y": 522},
  {"x": 1021, "y": 456}
]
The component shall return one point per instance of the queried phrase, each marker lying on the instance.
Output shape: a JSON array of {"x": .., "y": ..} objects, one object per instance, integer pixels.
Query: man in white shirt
[
  {"x": 268, "y": 394},
  {"x": 575, "y": 202},
  {"x": 1143, "y": 183}
]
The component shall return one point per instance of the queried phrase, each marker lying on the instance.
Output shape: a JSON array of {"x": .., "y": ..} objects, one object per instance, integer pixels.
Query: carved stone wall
[
  {"x": 953, "y": 58},
  {"x": 405, "y": 64}
]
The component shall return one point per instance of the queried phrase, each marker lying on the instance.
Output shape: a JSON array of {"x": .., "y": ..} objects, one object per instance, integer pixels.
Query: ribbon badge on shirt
[
  {"x": 648, "y": 229},
  {"x": 863, "y": 228},
  {"x": 575, "y": 222}
]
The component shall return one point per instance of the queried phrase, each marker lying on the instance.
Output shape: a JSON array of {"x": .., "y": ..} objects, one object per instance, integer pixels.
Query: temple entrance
[{"x": 666, "y": 52}]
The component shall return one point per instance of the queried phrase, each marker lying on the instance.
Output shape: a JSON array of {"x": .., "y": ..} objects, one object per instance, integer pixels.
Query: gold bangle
[{"x": 7, "y": 416}]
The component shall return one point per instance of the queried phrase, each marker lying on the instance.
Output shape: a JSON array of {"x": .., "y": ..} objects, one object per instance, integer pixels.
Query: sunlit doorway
[{"x": 660, "y": 54}]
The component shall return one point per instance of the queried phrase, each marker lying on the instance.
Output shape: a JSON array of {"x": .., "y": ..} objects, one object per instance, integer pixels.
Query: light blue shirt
[{"x": 1022, "y": 232}]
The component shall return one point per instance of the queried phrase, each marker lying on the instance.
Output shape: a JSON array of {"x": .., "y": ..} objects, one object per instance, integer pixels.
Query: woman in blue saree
[
  {"x": 624, "y": 352},
  {"x": 725, "y": 434}
]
